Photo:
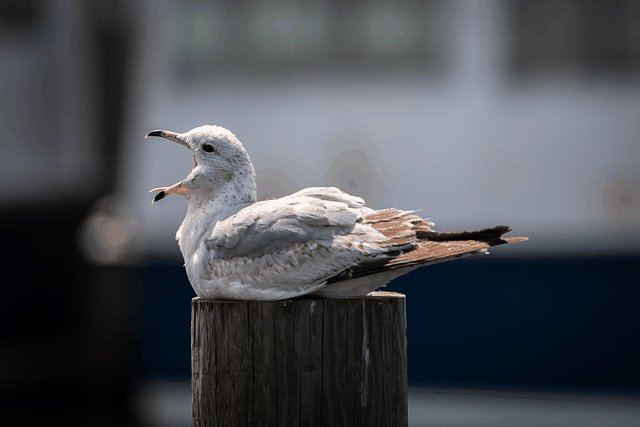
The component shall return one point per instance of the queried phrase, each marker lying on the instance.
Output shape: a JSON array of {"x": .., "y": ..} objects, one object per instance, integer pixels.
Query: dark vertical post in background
[
  {"x": 307, "y": 362},
  {"x": 111, "y": 36},
  {"x": 81, "y": 311}
]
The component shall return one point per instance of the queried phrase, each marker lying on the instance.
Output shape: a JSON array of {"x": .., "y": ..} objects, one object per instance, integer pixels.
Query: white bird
[{"x": 319, "y": 240}]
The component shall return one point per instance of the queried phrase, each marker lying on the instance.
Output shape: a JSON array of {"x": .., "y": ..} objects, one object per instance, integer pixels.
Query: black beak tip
[
  {"x": 159, "y": 196},
  {"x": 155, "y": 133}
]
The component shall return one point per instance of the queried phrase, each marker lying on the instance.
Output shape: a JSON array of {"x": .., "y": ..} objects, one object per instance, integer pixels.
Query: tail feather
[
  {"x": 413, "y": 243},
  {"x": 491, "y": 235}
]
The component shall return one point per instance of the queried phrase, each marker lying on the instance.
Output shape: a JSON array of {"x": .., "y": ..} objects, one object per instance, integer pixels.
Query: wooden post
[{"x": 302, "y": 362}]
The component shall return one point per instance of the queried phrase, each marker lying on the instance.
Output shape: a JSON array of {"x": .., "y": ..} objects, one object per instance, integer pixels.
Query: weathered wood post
[{"x": 302, "y": 362}]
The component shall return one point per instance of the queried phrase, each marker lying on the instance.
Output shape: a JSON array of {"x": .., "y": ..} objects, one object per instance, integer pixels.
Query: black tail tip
[{"x": 501, "y": 229}]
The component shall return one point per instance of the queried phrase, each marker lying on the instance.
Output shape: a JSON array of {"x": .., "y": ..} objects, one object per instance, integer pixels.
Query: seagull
[{"x": 319, "y": 240}]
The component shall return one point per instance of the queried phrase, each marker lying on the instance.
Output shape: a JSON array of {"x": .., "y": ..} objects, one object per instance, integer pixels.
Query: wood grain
[{"x": 303, "y": 362}]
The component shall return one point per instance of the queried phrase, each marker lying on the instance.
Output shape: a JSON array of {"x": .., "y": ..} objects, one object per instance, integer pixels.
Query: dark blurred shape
[
  {"x": 162, "y": 323},
  {"x": 585, "y": 37},
  {"x": 67, "y": 350},
  {"x": 290, "y": 36},
  {"x": 564, "y": 323},
  {"x": 19, "y": 15},
  {"x": 111, "y": 36}
]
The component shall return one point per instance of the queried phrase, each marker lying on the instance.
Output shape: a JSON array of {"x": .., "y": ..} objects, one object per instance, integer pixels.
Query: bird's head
[{"x": 219, "y": 162}]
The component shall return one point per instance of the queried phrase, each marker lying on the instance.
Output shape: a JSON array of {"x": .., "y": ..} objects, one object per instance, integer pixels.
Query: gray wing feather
[{"x": 269, "y": 226}]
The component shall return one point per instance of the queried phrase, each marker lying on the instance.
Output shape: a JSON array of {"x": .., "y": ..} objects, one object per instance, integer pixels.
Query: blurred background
[{"x": 524, "y": 112}]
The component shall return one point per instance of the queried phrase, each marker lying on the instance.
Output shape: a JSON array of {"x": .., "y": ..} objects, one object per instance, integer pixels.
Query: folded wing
[{"x": 314, "y": 214}]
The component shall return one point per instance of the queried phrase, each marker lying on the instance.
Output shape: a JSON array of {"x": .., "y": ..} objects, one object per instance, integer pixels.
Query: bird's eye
[{"x": 208, "y": 148}]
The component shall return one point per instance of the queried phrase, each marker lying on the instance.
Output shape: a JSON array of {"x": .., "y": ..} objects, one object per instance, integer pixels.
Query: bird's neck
[
  {"x": 240, "y": 189},
  {"x": 205, "y": 208}
]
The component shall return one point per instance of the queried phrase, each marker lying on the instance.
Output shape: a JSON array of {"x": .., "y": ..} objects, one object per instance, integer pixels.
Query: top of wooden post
[{"x": 370, "y": 295}]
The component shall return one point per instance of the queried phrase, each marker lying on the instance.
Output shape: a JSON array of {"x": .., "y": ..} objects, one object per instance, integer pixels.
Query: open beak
[
  {"x": 177, "y": 188},
  {"x": 167, "y": 134}
]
